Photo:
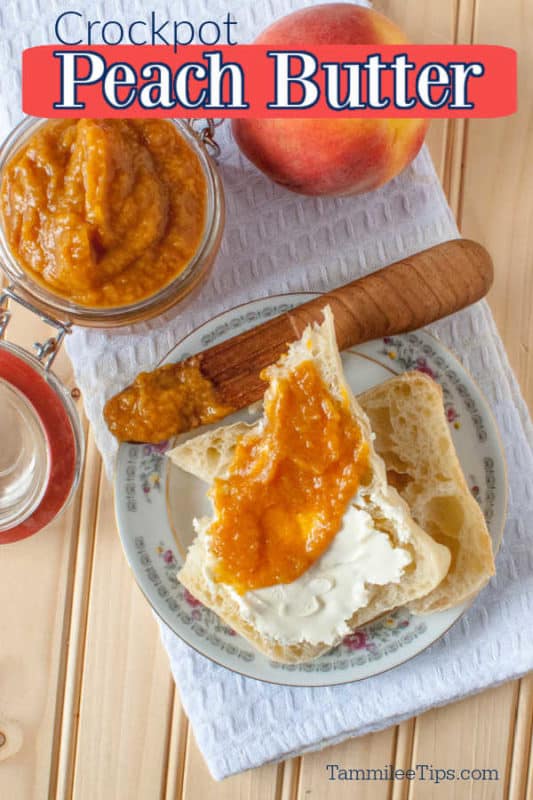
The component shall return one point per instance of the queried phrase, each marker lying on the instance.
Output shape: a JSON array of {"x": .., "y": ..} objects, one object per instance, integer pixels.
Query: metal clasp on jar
[
  {"x": 204, "y": 130},
  {"x": 45, "y": 351}
]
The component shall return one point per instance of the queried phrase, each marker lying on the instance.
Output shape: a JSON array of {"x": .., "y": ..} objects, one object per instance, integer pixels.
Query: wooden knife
[{"x": 402, "y": 297}]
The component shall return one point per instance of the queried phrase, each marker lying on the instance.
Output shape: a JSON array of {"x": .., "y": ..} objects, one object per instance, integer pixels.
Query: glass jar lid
[
  {"x": 24, "y": 457},
  {"x": 41, "y": 437}
]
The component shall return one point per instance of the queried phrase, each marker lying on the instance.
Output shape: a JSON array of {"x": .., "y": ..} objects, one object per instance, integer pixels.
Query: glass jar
[
  {"x": 201, "y": 141},
  {"x": 42, "y": 442}
]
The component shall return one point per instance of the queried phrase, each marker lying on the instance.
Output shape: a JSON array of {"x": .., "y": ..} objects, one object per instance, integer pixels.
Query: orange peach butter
[
  {"x": 288, "y": 486},
  {"x": 104, "y": 212},
  {"x": 160, "y": 404}
]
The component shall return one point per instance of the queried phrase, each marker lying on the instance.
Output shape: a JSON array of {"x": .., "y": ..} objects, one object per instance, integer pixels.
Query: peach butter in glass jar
[
  {"x": 105, "y": 222},
  {"x": 102, "y": 223}
]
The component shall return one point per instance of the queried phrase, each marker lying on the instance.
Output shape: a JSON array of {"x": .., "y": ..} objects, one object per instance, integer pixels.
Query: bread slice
[
  {"x": 413, "y": 439},
  {"x": 209, "y": 455}
]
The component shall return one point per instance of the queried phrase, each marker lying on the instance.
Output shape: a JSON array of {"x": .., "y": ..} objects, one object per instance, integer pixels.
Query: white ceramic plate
[{"x": 156, "y": 502}]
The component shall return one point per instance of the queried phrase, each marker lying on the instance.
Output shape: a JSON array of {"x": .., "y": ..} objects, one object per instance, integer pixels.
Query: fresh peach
[{"x": 330, "y": 156}]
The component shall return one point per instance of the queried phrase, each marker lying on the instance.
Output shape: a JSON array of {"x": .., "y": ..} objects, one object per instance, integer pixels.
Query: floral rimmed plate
[{"x": 156, "y": 502}]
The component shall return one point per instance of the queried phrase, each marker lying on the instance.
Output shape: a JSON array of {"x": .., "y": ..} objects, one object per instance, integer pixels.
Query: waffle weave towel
[{"x": 278, "y": 242}]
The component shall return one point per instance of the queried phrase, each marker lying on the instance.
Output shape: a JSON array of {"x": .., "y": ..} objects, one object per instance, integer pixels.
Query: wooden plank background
[{"x": 88, "y": 708}]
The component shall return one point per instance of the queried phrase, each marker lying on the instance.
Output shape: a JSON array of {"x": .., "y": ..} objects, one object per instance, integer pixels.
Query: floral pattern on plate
[{"x": 156, "y": 504}]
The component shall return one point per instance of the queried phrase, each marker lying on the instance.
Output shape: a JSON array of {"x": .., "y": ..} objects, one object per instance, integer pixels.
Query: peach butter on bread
[{"x": 302, "y": 546}]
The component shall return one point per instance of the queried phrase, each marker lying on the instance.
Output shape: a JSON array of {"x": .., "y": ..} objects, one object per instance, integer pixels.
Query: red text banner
[{"x": 259, "y": 81}]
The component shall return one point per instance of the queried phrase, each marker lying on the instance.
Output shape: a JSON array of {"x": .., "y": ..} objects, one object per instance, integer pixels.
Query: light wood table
[{"x": 88, "y": 708}]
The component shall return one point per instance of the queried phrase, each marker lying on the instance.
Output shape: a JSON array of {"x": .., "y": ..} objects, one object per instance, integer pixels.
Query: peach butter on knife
[{"x": 402, "y": 297}]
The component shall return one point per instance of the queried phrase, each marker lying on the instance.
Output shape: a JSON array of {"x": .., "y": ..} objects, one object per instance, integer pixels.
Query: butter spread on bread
[
  {"x": 378, "y": 559},
  {"x": 316, "y": 606}
]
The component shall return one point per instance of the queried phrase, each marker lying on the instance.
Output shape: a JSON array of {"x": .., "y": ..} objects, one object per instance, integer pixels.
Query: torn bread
[
  {"x": 379, "y": 510},
  {"x": 413, "y": 439}
]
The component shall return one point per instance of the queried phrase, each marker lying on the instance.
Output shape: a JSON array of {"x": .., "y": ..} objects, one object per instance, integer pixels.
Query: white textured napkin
[{"x": 277, "y": 242}]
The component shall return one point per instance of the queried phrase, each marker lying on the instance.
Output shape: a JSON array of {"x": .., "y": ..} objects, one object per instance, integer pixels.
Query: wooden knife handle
[
  {"x": 408, "y": 294},
  {"x": 404, "y": 296}
]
